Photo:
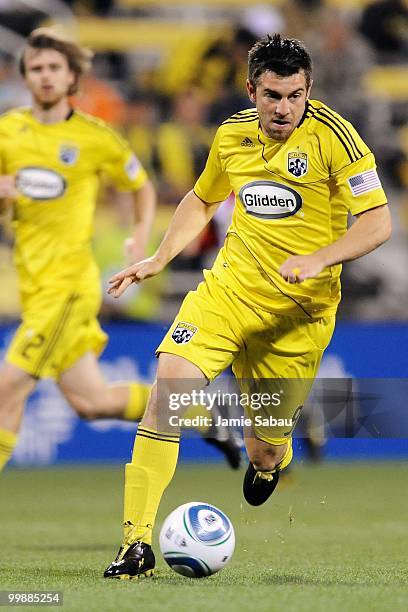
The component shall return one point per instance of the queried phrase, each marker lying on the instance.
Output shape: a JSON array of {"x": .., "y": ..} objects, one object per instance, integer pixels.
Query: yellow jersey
[
  {"x": 57, "y": 168},
  {"x": 291, "y": 198}
]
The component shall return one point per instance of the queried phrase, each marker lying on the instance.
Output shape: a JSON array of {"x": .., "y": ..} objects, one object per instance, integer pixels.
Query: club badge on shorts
[
  {"x": 183, "y": 332},
  {"x": 297, "y": 163}
]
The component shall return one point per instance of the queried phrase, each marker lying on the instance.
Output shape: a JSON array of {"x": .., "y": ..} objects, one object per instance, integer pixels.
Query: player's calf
[
  {"x": 15, "y": 387},
  {"x": 263, "y": 455},
  {"x": 262, "y": 475},
  {"x": 92, "y": 408}
]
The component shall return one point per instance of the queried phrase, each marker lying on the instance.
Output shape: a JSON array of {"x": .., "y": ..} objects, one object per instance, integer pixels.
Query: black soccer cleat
[
  {"x": 259, "y": 486},
  {"x": 136, "y": 562}
]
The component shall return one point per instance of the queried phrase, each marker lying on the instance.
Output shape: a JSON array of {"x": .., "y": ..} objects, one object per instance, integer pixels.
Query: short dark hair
[
  {"x": 284, "y": 56},
  {"x": 78, "y": 58}
]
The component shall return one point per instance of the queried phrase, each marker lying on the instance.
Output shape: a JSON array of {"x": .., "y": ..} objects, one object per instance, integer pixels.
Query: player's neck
[{"x": 56, "y": 113}]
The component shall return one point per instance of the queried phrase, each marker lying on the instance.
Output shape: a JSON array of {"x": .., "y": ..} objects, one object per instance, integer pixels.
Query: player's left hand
[{"x": 300, "y": 267}]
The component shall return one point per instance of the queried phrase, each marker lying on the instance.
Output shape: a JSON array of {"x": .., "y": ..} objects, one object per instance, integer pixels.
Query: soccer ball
[{"x": 197, "y": 540}]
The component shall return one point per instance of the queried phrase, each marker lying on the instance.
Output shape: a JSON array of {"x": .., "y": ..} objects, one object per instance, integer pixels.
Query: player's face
[
  {"x": 280, "y": 102},
  {"x": 47, "y": 76}
]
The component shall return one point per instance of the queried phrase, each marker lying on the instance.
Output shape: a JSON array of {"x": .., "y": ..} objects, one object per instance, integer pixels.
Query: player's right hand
[
  {"x": 8, "y": 187},
  {"x": 134, "y": 274}
]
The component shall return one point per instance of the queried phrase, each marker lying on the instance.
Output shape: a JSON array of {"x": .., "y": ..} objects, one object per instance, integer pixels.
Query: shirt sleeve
[
  {"x": 3, "y": 141},
  {"x": 213, "y": 185},
  {"x": 354, "y": 171},
  {"x": 121, "y": 164}
]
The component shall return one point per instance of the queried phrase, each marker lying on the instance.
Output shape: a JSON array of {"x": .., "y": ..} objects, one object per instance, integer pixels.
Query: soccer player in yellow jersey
[
  {"x": 51, "y": 159},
  {"x": 267, "y": 307}
]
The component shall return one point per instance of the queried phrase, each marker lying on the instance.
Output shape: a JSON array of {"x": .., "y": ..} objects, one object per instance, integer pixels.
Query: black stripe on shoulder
[
  {"x": 243, "y": 113},
  {"x": 305, "y": 114},
  {"x": 249, "y": 112},
  {"x": 331, "y": 126},
  {"x": 343, "y": 123},
  {"x": 240, "y": 120},
  {"x": 330, "y": 116}
]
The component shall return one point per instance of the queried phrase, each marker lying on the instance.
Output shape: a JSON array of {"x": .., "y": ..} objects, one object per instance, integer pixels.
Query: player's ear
[{"x": 251, "y": 91}]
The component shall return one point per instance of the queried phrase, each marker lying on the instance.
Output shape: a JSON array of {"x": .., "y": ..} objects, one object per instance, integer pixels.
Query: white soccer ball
[{"x": 197, "y": 540}]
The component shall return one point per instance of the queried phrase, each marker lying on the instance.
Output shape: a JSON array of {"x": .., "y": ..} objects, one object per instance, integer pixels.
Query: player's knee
[
  {"x": 266, "y": 457},
  {"x": 173, "y": 367},
  {"x": 178, "y": 381}
]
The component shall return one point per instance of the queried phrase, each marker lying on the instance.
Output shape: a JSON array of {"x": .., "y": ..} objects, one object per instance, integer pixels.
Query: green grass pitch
[{"x": 334, "y": 537}]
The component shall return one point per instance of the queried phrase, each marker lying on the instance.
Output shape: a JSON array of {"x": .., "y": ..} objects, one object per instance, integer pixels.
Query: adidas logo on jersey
[{"x": 247, "y": 142}]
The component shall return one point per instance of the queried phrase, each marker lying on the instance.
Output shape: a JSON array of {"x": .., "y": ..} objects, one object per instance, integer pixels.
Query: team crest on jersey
[
  {"x": 68, "y": 154},
  {"x": 183, "y": 332},
  {"x": 297, "y": 163}
]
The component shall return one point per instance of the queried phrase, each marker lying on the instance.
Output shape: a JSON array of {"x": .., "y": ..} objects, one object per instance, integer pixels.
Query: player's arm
[
  {"x": 359, "y": 187},
  {"x": 144, "y": 200},
  {"x": 371, "y": 229},
  {"x": 192, "y": 215},
  {"x": 127, "y": 174},
  {"x": 189, "y": 219},
  {"x": 8, "y": 191}
]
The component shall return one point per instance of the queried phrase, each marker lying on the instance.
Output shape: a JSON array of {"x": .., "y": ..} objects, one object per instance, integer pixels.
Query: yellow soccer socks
[
  {"x": 138, "y": 398},
  {"x": 153, "y": 464},
  {"x": 287, "y": 458},
  {"x": 8, "y": 441}
]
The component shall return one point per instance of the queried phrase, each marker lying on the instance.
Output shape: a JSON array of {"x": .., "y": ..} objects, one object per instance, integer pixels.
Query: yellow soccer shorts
[
  {"x": 271, "y": 354},
  {"x": 57, "y": 328}
]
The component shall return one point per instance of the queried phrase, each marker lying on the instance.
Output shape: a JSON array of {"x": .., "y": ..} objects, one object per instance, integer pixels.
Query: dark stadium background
[{"x": 165, "y": 75}]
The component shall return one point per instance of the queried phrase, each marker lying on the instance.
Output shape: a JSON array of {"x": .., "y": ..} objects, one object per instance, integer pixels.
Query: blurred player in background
[
  {"x": 51, "y": 161},
  {"x": 268, "y": 305},
  {"x": 52, "y": 158}
]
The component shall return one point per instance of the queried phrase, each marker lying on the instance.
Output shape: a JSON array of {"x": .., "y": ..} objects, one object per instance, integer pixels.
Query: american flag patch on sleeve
[
  {"x": 132, "y": 166},
  {"x": 364, "y": 182}
]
